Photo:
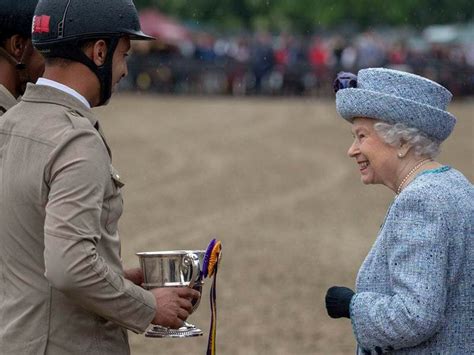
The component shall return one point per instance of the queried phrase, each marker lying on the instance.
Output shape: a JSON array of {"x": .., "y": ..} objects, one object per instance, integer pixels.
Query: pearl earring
[{"x": 400, "y": 155}]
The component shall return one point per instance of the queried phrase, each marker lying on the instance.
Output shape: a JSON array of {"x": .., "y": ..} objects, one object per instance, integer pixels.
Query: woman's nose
[{"x": 353, "y": 149}]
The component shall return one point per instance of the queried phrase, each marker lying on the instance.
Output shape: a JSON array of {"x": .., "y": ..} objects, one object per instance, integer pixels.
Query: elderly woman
[{"x": 415, "y": 289}]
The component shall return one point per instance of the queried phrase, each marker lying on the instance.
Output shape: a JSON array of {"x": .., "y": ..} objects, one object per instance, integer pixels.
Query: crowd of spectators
[{"x": 285, "y": 64}]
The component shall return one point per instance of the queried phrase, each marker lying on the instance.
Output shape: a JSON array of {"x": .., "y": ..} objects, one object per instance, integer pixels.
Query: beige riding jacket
[
  {"x": 7, "y": 100},
  {"x": 62, "y": 289}
]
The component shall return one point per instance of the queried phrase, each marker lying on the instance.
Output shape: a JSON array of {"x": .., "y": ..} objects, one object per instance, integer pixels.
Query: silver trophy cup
[{"x": 177, "y": 268}]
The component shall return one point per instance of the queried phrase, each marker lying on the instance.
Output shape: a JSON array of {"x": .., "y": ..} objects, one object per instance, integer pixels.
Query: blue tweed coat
[{"x": 415, "y": 289}]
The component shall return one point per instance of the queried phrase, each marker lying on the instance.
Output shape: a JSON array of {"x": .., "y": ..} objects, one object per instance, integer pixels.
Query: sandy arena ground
[{"x": 271, "y": 179}]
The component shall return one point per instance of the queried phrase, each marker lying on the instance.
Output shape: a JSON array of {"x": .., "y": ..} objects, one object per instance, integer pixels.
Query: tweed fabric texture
[
  {"x": 415, "y": 289},
  {"x": 397, "y": 97}
]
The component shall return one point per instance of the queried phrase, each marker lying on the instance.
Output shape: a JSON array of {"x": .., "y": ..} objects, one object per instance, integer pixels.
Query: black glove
[{"x": 338, "y": 300}]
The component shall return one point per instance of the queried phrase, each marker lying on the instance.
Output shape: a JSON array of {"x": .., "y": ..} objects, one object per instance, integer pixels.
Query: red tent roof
[{"x": 164, "y": 28}]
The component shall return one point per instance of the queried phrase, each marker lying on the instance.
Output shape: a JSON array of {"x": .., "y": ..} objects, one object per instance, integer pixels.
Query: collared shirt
[
  {"x": 7, "y": 100},
  {"x": 62, "y": 289},
  {"x": 64, "y": 88}
]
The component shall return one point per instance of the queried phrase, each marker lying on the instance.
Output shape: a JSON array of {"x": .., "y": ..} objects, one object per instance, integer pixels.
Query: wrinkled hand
[
  {"x": 338, "y": 300},
  {"x": 135, "y": 275},
  {"x": 173, "y": 305}
]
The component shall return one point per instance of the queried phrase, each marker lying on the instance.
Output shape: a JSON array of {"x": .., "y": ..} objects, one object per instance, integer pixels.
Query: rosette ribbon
[{"x": 210, "y": 267}]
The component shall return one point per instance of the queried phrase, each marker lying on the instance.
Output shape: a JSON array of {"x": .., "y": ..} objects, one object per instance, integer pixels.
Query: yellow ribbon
[{"x": 212, "y": 272}]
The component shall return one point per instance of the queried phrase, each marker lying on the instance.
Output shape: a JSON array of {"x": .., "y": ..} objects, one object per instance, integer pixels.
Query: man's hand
[
  {"x": 135, "y": 275},
  {"x": 173, "y": 305}
]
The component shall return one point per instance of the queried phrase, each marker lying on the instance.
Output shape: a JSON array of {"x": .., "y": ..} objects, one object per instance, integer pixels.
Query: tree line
[{"x": 310, "y": 15}]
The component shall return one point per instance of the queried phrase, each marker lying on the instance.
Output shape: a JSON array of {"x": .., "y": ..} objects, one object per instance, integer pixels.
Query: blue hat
[{"x": 395, "y": 97}]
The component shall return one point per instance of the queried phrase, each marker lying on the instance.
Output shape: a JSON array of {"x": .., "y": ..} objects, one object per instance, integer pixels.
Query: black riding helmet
[{"x": 61, "y": 26}]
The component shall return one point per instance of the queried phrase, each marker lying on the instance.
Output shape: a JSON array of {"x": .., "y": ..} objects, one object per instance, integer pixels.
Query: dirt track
[{"x": 271, "y": 179}]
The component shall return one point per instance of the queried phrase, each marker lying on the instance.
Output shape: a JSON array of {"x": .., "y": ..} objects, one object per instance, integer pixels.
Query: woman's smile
[{"x": 363, "y": 165}]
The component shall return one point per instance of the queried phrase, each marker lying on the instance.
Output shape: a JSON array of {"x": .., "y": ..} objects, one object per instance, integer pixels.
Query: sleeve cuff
[{"x": 148, "y": 313}]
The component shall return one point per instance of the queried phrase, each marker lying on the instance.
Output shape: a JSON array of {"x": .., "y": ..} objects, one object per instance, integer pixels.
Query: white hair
[{"x": 398, "y": 134}]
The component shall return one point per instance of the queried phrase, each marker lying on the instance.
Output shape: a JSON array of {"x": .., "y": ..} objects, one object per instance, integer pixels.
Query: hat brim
[
  {"x": 354, "y": 102},
  {"x": 139, "y": 36}
]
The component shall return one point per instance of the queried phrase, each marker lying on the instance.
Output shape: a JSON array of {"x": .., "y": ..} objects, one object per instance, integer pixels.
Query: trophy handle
[{"x": 191, "y": 260}]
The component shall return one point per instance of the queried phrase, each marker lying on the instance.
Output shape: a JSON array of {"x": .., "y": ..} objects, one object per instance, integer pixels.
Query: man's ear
[
  {"x": 16, "y": 45},
  {"x": 98, "y": 52}
]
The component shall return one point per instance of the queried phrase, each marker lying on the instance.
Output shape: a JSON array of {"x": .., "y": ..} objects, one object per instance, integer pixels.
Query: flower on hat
[{"x": 344, "y": 80}]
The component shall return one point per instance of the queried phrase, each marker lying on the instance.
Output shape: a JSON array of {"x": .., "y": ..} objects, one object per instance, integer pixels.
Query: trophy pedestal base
[{"x": 186, "y": 331}]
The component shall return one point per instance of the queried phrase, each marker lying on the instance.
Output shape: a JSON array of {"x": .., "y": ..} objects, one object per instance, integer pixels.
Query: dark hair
[{"x": 16, "y": 17}]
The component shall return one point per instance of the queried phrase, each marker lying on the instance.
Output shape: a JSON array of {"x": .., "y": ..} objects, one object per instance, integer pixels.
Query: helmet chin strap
[
  {"x": 22, "y": 69},
  {"x": 20, "y": 66},
  {"x": 11, "y": 59},
  {"x": 103, "y": 72}
]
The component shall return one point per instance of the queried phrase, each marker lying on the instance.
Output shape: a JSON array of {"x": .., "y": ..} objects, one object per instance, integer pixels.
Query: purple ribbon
[{"x": 344, "y": 80}]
